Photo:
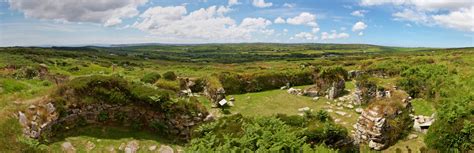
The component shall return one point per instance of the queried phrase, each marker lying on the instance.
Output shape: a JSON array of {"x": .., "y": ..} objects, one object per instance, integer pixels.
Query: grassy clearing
[
  {"x": 422, "y": 107},
  {"x": 272, "y": 102}
]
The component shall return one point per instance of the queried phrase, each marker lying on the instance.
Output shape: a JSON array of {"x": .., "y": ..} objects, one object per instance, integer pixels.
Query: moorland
[{"x": 277, "y": 97}]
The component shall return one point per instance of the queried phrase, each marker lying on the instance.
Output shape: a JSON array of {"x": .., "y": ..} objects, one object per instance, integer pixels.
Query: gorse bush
[{"x": 151, "y": 77}]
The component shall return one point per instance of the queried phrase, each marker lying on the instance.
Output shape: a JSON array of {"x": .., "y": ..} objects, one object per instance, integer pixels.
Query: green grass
[
  {"x": 422, "y": 107},
  {"x": 272, "y": 102}
]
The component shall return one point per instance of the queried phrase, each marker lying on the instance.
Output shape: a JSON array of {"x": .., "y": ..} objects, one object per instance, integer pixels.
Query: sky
[{"x": 405, "y": 23}]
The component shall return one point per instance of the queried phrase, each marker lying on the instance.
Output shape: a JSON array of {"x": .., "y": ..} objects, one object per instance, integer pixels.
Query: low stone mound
[{"x": 102, "y": 100}]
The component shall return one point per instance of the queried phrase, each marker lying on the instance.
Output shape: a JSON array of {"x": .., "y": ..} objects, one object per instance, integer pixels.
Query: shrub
[
  {"x": 168, "y": 84},
  {"x": 425, "y": 81},
  {"x": 453, "y": 130},
  {"x": 170, "y": 75},
  {"x": 151, "y": 77}
]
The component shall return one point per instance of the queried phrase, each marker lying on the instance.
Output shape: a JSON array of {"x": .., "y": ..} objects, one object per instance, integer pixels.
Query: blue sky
[{"x": 413, "y": 23}]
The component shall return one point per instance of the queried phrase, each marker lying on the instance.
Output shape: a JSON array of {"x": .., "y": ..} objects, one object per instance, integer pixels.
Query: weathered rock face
[
  {"x": 373, "y": 125},
  {"x": 42, "y": 120},
  {"x": 336, "y": 90}
]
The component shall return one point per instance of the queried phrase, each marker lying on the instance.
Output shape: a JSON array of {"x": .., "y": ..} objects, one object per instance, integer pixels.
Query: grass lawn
[
  {"x": 272, "y": 102},
  {"x": 105, "y": 138},
  {"x": 422, "y": 107}
]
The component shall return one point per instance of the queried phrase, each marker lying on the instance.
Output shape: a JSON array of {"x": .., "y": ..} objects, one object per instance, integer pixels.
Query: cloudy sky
[{"x": 421, "y": 23}]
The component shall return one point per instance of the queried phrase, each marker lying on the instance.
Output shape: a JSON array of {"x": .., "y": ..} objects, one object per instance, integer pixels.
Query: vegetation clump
[
  {"x": 151, "y": 77},
  {"x": 170, "y": 75},
  {"x": 276, "y": 133}
]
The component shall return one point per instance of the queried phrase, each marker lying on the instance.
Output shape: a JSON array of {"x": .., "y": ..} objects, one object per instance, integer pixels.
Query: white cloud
[
  {"x": 255, "y": 23},
  {"x": 334, "y": 35},
  {"x": 106, "y": 12},
  {"x": 359, "y": 26},
  {"x": 279, "y": 20},
  {"x": 455, "y": 14},
  {"x": 306, "y": 36},
  {"x": 289, "y": 5},
  {"x": 462, "y": 19},
  {"x": 428, "y": 5},
  {"x": 285, "y": 30},
  {"x": 233, "y": 2},
  {"x": 203, "y": 24},
  {"x": 413, "y": 16},
  {"x": 315, "y": 30},
  {"x": 304, "y": 18},
  {"x": 261, "y": 3},
  {"x": 361, "y": 33},
  {"x": 359, "y": 13}
]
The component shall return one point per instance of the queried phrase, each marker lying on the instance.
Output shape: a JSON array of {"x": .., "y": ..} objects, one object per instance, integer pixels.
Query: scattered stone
[
  {"x": 90, "y": 146},
  {"x": 111, "y": 149},
  {"x": 50, "y": 108},
  {"x": 152, "y": 148},
  {"x": 339, "y": 108},
  {"x": 209, "y": 117},
  {"x": 294, "y": 91},
  {"x": 412, "y": 136},
  {"x": 329, "y": 110},
  {"x": 122, "y": 146},
  {"x": 304, "y": 109},
  {"x": 22, "y": 119},
  {"x": 350, "y": 106},
  {"x": 68, "y": 147},
  {"x": 165, "y": 149},
  {"x": 359, "y": 110},
  {"x": 132, "y": 147},
  {"x": 337, "y": 120},
  {"x": 341, "y": 113},
  {"x": 315, "y": 98}
]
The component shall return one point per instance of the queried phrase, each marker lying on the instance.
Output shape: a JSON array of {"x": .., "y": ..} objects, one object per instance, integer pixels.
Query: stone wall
[
  {"x": 44, "y": 119},
  {"x": 373, "y": 125}
]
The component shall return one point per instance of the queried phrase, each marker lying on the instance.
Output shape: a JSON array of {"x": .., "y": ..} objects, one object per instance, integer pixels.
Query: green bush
[
  {"x": 425, "y": 81},
  {"x": 266, "y": 134},
  {"x": 151, "y": 77},
  {"x": 170, "y": 75},
  {"x": 453, "y": 130},
  {"x": 168, "y": 84},
  {"x": 234, "y": 83}
]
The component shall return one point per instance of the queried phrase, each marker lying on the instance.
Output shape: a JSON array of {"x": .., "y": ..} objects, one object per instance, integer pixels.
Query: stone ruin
[
  {"x": 422, "y": 123},
  {"x": 373, "y": 125},
  {"x": 44, "y": 119},
  {"x": 336, "y": 89}
]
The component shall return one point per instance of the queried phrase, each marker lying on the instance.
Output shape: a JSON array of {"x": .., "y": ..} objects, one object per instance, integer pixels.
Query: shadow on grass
[{"x": 115, "y": 133}]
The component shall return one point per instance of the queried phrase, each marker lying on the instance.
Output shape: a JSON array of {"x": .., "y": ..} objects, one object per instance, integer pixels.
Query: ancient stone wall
[
  {"x": 373, "y": 125},
  {"x": 43, "y": 120}
]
